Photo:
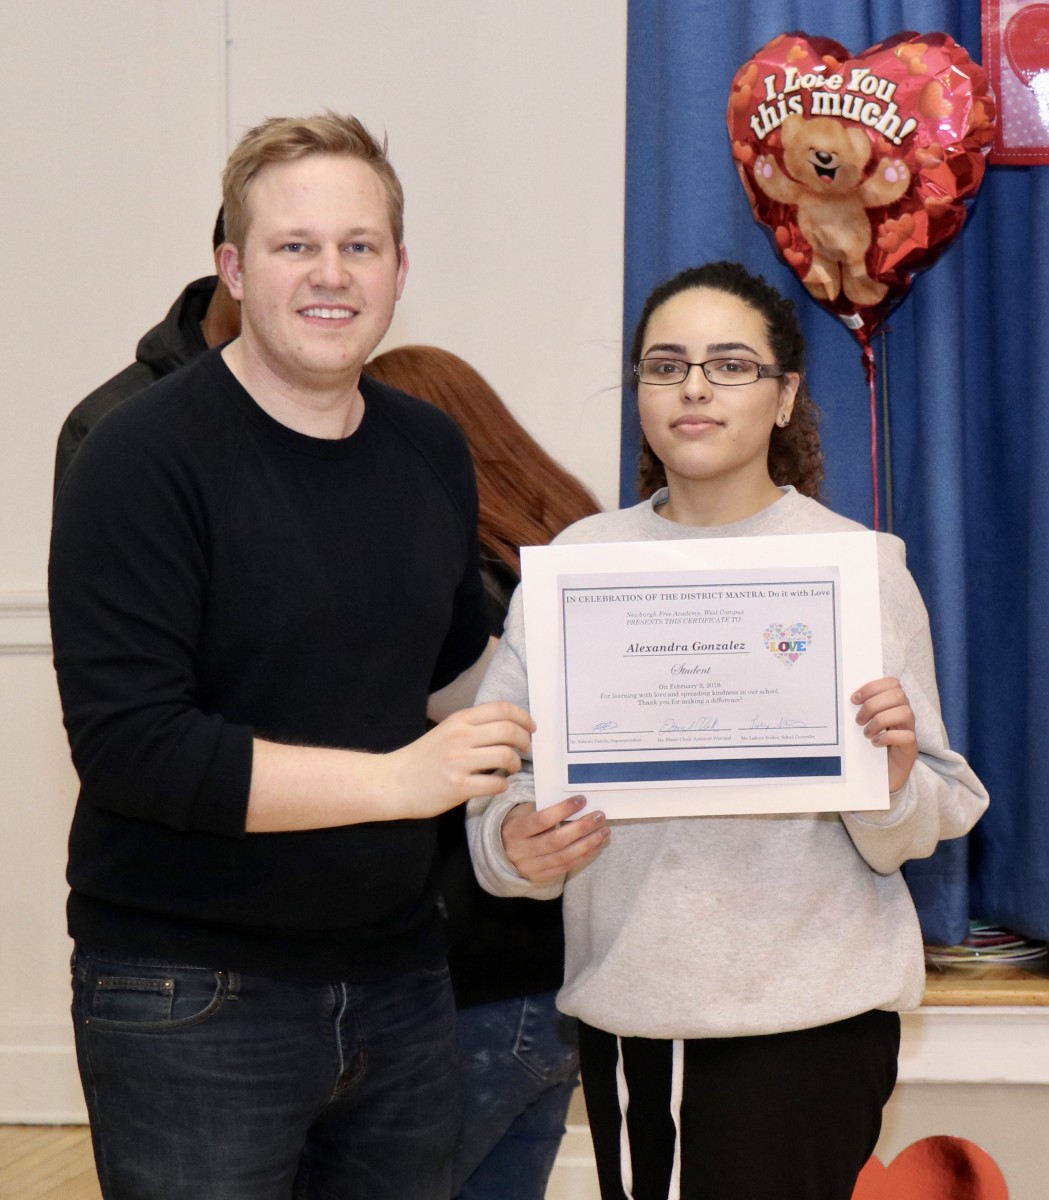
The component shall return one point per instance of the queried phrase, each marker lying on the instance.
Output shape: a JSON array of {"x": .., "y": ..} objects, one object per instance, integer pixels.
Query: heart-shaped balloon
[
  {"x": 861, "y": 167},
  {"x": 936, "y": 1168}
]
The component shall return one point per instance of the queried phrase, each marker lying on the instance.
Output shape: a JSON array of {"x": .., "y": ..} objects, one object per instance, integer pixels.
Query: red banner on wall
[{"x": 1016, "y": 58}]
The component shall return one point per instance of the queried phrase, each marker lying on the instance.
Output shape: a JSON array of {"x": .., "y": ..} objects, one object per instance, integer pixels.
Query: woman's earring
[{"x": 782, "y": 421}]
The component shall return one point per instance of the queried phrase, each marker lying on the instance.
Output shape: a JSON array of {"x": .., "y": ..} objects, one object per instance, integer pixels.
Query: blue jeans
[
  {"x": 520, "y": 1064},
  {"x": 205, "y": 1084}
]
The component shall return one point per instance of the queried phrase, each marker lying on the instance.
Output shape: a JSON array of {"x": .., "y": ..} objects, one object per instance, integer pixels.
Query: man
[
  {"x": 263, "y": 580},
  {"x": 204, "y": 315}
]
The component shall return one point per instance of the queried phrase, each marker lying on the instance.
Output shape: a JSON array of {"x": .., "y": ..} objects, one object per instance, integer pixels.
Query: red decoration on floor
[{"x": 936, "y": 1168}]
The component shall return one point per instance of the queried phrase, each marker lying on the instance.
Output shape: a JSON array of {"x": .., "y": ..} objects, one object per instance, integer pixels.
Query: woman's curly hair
[{"x": 795, "y": 454}]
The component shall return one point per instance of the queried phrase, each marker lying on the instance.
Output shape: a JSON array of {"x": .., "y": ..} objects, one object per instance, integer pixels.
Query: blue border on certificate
[{"x": 721, "y": 768}]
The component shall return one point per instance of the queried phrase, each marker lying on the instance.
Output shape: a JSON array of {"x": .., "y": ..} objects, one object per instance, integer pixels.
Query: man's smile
[{"x": 328, "y": 314}]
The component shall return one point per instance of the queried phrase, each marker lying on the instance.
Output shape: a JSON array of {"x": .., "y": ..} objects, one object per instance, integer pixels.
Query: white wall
[{"x": 506, "y": 124}]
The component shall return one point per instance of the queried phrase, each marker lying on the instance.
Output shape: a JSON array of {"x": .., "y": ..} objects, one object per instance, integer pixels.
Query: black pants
[{"x": 788, "y": 1116}]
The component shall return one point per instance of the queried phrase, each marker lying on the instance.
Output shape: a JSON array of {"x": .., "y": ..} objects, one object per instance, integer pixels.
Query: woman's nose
[{"x": 695, "y": 385}]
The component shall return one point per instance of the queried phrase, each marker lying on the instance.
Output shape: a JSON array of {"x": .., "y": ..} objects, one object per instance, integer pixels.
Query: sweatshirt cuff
[{"x": 494, "y": 871}]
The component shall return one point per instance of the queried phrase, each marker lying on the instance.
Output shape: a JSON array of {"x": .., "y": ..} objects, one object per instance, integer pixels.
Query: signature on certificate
[
  {"x": 782, "y": 723},
  {"x": 672, "y": 725}
]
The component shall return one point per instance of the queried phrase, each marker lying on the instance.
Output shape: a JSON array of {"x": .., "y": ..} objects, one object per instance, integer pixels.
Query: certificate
[{"x": 704, "y": 676}]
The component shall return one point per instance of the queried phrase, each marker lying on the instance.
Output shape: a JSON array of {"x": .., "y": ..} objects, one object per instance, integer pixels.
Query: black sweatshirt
[{"x": 216, "y": 576}]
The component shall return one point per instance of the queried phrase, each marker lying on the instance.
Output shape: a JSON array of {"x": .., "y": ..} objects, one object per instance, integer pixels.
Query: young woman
[
  {"x": 519, "y": 1055},
  {"x": 737, "y": 979}
]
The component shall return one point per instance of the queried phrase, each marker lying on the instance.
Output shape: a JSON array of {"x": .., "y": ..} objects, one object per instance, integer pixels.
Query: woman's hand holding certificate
[
  {"x": 887, "y": 720},
  {"x": 545, "y": 844}
]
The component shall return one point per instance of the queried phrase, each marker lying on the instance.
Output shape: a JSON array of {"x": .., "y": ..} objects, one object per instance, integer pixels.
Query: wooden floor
[{"x": 47, "y": 1162}]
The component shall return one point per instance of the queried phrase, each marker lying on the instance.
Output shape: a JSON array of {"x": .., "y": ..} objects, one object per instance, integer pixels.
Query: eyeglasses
[{"x": 726, "y": 372}]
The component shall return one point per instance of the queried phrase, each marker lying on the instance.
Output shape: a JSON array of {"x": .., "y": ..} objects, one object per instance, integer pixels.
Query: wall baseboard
[
  {"x": 24, "y": 624},
  {"x": 39, "y": 1082},
  {"x": 975, "y": 1044},
  {"x": 574, "y": 1176}
]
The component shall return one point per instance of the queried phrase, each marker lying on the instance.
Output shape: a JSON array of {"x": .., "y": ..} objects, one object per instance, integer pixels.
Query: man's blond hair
[{"x": 285, "y": 139}]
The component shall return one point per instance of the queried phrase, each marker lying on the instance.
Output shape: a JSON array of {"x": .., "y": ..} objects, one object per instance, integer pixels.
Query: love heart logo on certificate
[{"x": 788, "y": 643}]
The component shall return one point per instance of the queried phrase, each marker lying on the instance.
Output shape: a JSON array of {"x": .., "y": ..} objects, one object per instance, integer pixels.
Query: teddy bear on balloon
[{"x": 825, "y": 178}]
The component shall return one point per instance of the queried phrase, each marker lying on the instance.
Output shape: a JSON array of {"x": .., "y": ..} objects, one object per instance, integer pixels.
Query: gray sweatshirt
[{"x": 728, "y": 926}]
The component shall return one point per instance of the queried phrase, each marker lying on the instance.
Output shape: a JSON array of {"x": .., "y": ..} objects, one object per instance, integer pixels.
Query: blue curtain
[{"x": 965, "y": 361}]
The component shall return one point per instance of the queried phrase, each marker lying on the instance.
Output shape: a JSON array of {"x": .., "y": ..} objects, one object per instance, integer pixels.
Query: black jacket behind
[{"x": 176, "y": 341}]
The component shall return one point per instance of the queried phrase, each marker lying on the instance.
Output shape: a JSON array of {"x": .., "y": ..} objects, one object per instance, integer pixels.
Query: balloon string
[{"x": 869, "y": 366}]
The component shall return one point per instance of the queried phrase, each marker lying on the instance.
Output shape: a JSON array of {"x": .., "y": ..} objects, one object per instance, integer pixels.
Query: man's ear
[
  {"x": 228, "y": 264},
  {"x": 402, "y": 269}
]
